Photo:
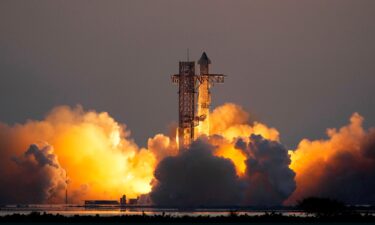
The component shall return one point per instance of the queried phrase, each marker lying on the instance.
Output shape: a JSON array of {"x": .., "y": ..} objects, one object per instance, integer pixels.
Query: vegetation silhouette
[
  {"x": 232, "y": 217},
  {"x": 323, "y": 207},
  {"x": 315, "y": 209}
]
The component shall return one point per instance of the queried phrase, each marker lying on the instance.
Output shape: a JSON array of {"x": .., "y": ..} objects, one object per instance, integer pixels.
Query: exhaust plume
[
  {"x": 240, "y": 163},
  {"x": 268, "y": 177},
  {"x": 195, "y": 178},
  {"x": 104, "y": 163},
  {"x": 236, "y": 165},
  {"x": 341, "y": 167},
  {"x": 101, "y": 160},
  {"x": 36, "y": 176},
  {"x": 231, "y": 121}
]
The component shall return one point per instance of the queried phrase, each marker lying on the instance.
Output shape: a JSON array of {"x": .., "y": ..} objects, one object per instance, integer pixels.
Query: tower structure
[{"x": 189, "y": 83}]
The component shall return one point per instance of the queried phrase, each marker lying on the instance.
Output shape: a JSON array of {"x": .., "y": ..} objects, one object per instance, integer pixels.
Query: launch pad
[{"x": 194, "y": 99}]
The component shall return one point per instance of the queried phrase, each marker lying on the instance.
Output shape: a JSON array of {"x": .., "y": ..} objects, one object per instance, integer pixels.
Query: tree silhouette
[{"x": 322, "y": 207}]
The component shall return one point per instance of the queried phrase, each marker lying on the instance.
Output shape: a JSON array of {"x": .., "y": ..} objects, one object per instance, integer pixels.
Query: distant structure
[
  {"x": 123, "y": 200},
  {"x": 101, "y": 203},
  {"x": 66, "y": 196},
  {"x": 133, "y": 201},
  {"x": 66, "y": 188},
  {"x": 188, "y": 85},
  {"x": 144, "y": 200}
]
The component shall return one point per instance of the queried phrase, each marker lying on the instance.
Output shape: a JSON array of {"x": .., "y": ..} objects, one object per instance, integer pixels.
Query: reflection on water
[{"x": 71, "y": 210}]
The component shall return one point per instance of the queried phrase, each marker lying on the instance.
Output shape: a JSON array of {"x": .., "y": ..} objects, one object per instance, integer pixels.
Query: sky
[{"x": 300, "y": 66}]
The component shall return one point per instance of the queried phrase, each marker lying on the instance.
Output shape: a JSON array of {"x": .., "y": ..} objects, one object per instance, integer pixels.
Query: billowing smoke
[
  {"x": 236, "y": 165},
  {"x": 162, "y": 146},
  {"x": 239, "y": 163},
  {"x": 196, "y": 177},
  {"x": 269, "y": 179},
  {"x": 102, "y": 162},
  {"x": 231, "y": 121},
  {"x": 100, "y": 159},
  {"x": 341, "y": 167},
  {"x": 36, "y": 176}
]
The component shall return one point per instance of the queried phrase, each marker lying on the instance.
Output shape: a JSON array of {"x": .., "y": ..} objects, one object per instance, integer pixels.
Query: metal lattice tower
[
  {"x": 188, "y": 84},
  {"x": 187, "y": 81}
]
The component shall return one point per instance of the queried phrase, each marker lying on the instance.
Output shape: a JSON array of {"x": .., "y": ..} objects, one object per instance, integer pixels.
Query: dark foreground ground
[{"x": 232, "y": 217}]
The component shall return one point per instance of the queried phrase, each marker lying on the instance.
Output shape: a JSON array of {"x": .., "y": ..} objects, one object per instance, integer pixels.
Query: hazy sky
[{"x": 300, "y": 66}]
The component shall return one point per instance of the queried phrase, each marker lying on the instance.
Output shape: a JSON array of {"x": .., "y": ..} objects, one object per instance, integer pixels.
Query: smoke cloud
[
  {"x": 100, "y": 159},
  {"x": 162, "y": 146},
  {"x": 269, "y": 179},
  {"x": 231, "y": 121},
  {"x": 341, "y": 167},
  {"x": 239, "y": 163},
  {"x": 36, "y": 176},
  {"x": 196, "y": 177}
]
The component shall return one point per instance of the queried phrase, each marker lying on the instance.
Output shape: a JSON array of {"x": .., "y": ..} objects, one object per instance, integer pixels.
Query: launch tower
[
  {"x": 189, "y": 84},
  {"x": 187, "y": 81}
]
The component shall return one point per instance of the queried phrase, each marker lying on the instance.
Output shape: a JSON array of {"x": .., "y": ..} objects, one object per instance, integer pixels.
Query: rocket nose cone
[{"x": 204, "y": 60}]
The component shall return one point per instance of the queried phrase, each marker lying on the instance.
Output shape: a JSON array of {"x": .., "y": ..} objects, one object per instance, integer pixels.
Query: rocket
[
  {"x": 204, "y": 96},
  {"x": 194, "y": 92},
  {"x": 206, "y": 81}
]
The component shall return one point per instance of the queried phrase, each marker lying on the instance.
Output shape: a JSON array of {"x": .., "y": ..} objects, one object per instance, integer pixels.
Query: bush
[{"x": 322, "y": 206}]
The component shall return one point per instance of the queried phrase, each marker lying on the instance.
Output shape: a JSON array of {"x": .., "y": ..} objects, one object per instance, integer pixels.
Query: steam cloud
[
  {"x": 342, "y": 167},
  {"x": 101, "y": 161},
  {"x": 269, "y": 179},
  {"x": 240, "y": 163},
  {"x": 36, "y": 177},
  {"x": 196, "y": 177}
]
